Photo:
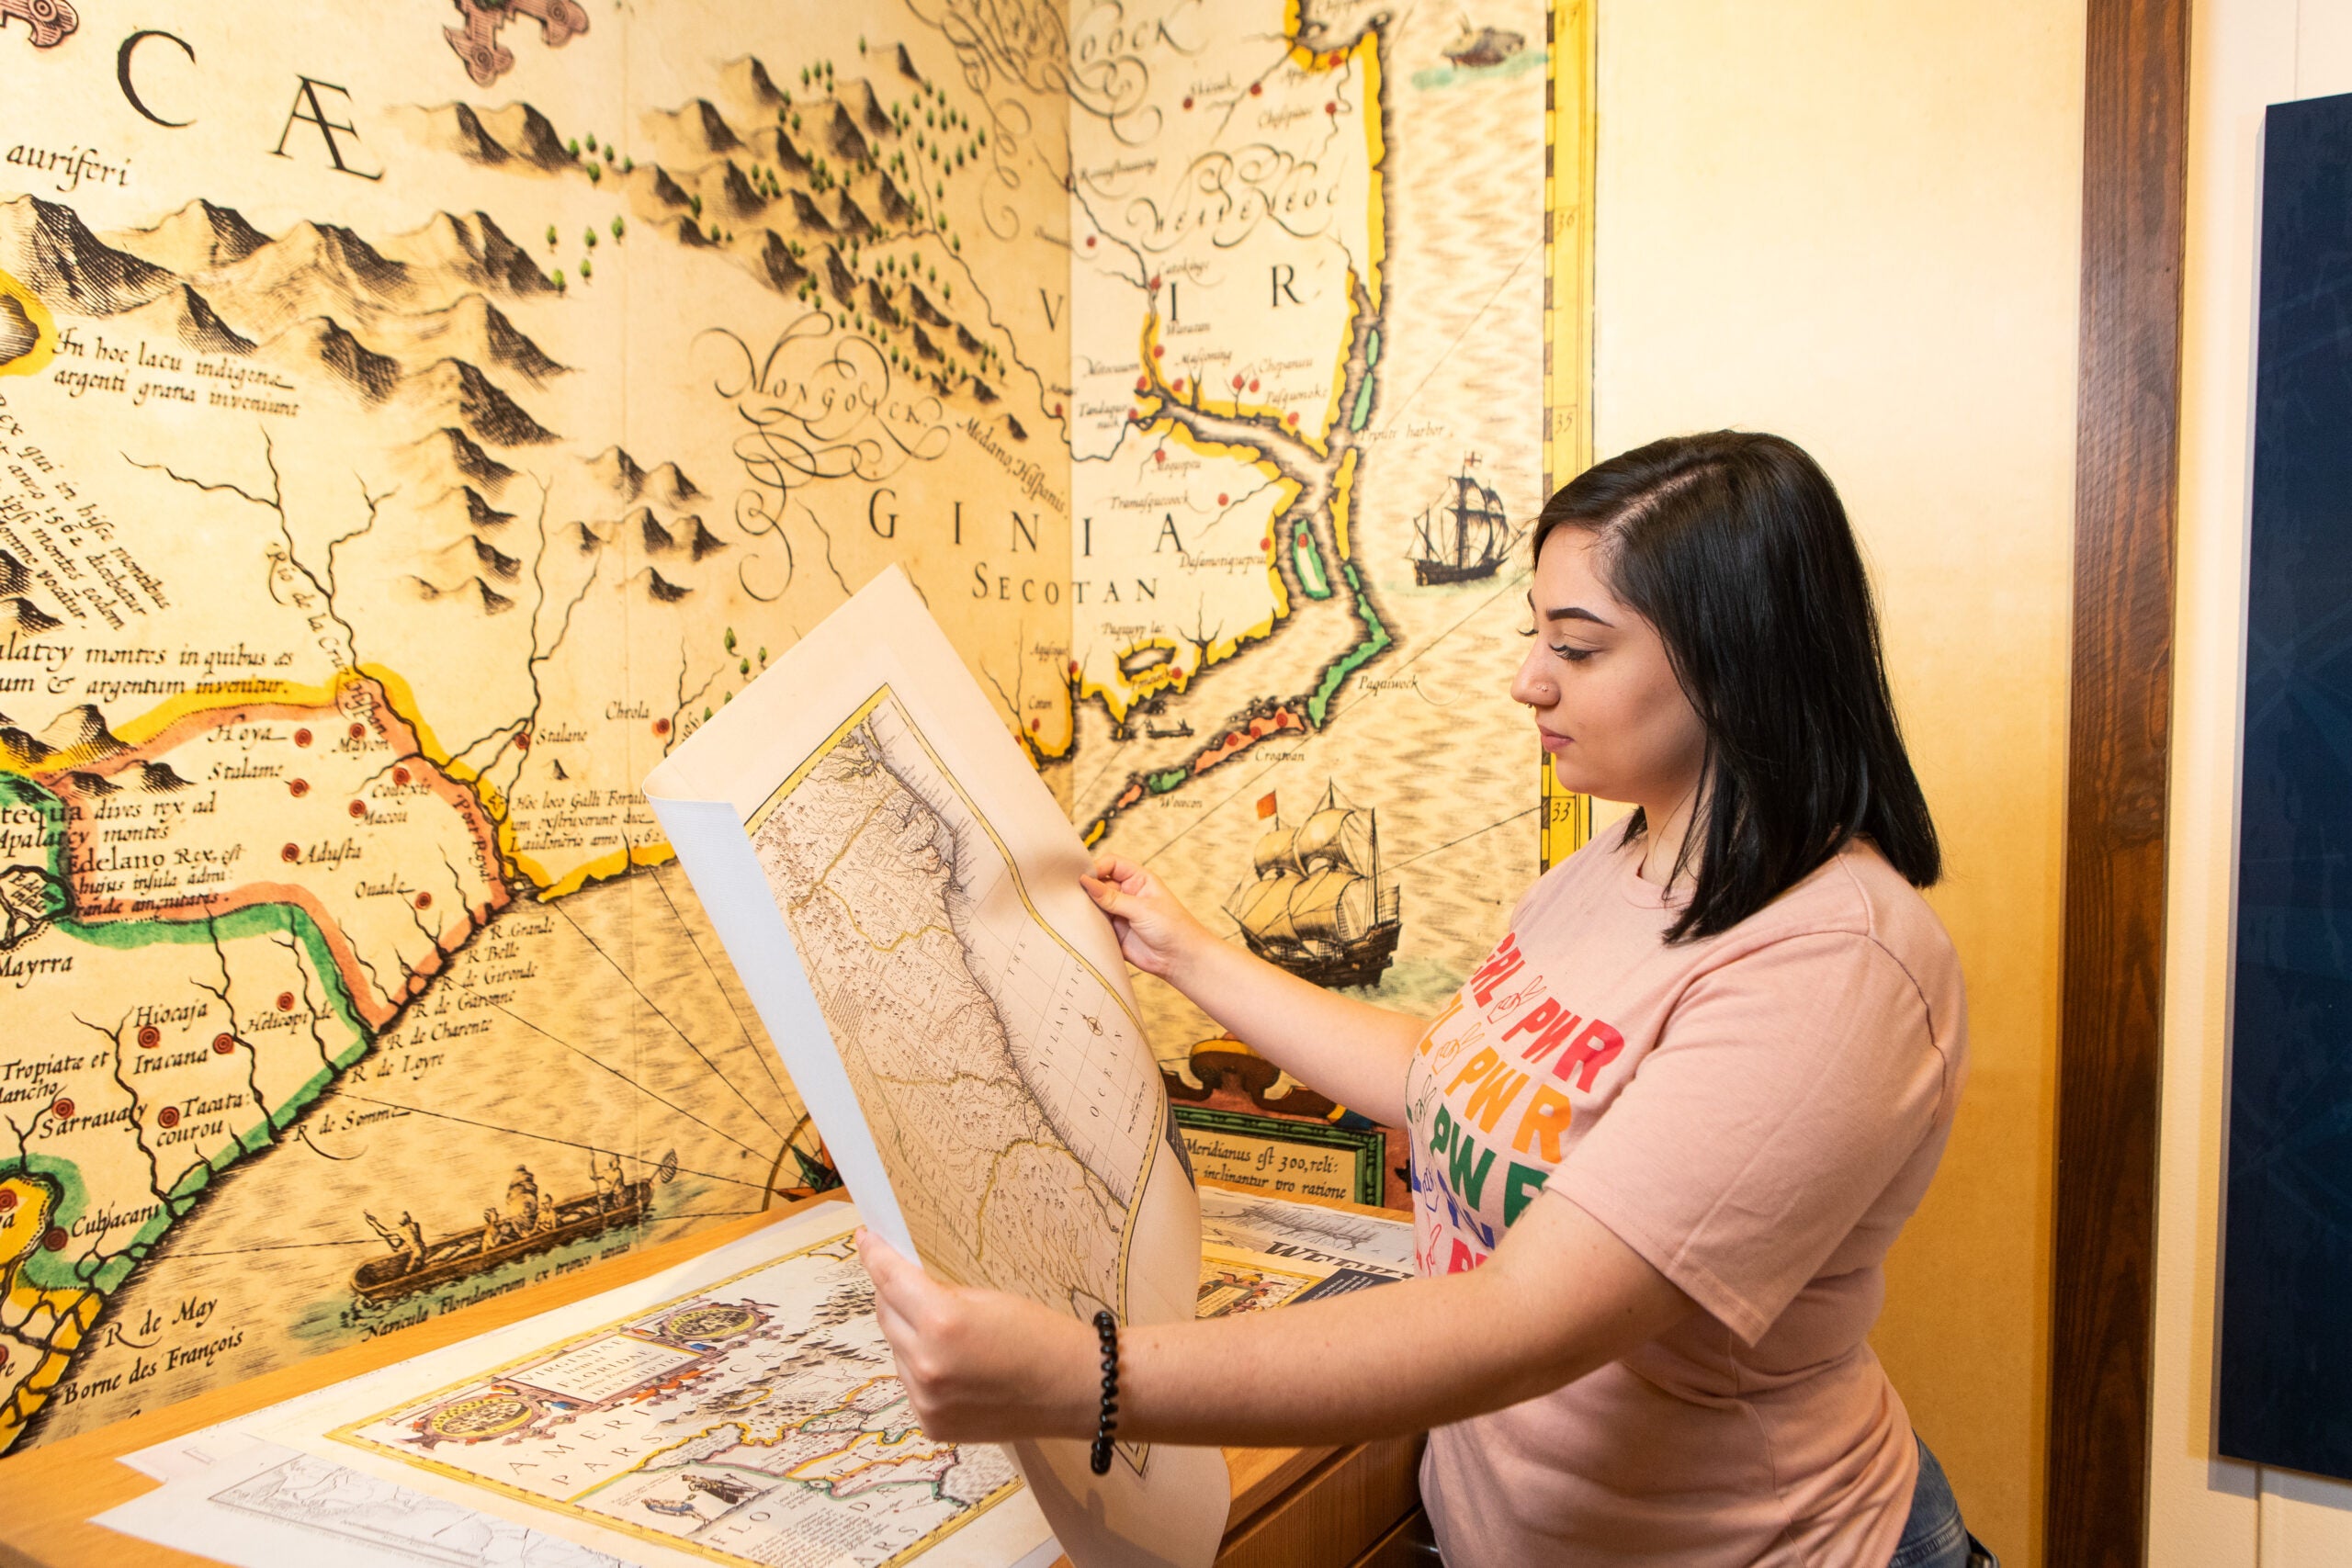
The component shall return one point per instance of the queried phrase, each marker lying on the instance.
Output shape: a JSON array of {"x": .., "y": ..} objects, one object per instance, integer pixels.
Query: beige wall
[
  {"x": 2206, "y": 1512},
  {"x": 1858, "y": 224}
]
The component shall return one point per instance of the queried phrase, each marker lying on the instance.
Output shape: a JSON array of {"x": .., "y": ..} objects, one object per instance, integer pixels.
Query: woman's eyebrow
[{"x": 1573, "y": 613}]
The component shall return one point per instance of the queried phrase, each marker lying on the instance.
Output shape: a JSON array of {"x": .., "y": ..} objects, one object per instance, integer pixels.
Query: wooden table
[{"x": 1290, "y": 1506}]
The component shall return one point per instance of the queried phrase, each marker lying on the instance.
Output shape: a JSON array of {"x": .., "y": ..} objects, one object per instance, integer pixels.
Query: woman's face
[{"x": 1606, "y": 703}]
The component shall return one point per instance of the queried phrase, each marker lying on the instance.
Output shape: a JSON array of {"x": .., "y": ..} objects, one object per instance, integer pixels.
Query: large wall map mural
[{"x": 414, "y": 420}]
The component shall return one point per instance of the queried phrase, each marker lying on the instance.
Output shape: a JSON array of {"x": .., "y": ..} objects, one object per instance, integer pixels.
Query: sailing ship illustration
[
  {"x": 1481, "y": 47},
  {"x": 1315, "y": 903},
  {"x": 528, "y": 1224},
  {"x": 1463, "y": 535}
]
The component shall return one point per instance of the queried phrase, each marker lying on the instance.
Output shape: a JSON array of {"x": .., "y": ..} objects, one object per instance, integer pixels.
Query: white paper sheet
[
  {"x": 1282, "y": 1227},
  {"x": 771, "y": 1389},
  {"x": 899, "y": 893},
  {"x": 258, "y": 1505}
]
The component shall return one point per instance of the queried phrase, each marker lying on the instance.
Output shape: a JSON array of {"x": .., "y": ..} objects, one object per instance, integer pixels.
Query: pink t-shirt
[{"x": 1756, "y": 1113}]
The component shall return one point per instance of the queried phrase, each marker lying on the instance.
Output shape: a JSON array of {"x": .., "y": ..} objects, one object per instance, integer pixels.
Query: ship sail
[
  {"x": 1332, "y": 906},
  {"x": 1323, "y": 840},
  {"x": 1263, "y": 908},
  {"x": 1276, "y": 852}
]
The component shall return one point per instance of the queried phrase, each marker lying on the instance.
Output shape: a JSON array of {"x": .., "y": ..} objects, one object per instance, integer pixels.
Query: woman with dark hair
[{"x": 1662, "y": 1137}]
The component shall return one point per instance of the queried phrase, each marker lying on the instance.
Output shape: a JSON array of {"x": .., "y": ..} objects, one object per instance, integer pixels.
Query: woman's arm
[
  {"x": 1560, "y": 1297},
  {"x": 1350, "y": 1051}
]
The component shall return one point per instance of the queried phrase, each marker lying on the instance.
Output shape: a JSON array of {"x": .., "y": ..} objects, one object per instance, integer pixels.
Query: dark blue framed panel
[{"x": 2285, "y": 1373}]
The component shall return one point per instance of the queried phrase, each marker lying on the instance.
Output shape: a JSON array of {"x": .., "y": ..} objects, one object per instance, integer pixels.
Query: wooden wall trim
[{"x": 2110, "y": 1007}]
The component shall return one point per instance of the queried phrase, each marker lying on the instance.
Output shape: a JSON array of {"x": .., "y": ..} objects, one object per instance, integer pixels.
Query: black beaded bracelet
[{"x": 1106, "y": 1328}]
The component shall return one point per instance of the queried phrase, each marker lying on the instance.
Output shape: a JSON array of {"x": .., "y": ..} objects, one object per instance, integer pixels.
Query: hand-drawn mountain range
[
  {"x": 47, "y": 247},
  {"x": 411, "y": 319},
  {"x": 198, "y": 238},
  {"x": 79, "y": 734},
  {"x": 415, "y": 329},
  {"x": 181, "y": 315},
  {"x": 148, "y": 778},
  {"x": 517, "y": 138},
  {"x": 792, "y": 189}
]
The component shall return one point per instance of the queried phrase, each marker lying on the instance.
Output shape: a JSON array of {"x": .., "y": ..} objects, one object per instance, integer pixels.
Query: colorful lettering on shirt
[
  {"x": 1595, "y": 1049},
  {"x": 1525, "y": 1182},
  {"x": 1492, "y": 1094},
  {"x": 1500, "y": 965},
  {"x": 1544, "y": 1119},
  {"x": 1545, "y": 1024}
]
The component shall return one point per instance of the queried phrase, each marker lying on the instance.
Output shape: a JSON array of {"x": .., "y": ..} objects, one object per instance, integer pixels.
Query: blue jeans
[{"x": 1934, "y": 1538}]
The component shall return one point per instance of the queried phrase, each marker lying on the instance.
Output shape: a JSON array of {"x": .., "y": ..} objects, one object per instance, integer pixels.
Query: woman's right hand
[{"x": 1156, "y": 932}]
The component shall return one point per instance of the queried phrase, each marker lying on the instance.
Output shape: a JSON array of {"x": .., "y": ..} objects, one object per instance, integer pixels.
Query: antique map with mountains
[{"x": 416, "y": 420}]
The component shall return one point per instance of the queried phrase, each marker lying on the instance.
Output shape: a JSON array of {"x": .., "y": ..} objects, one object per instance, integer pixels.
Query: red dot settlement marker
[
  {"x": 55, "y": 1239},
  {"x": 289, "y": 852},
  {"x": 1253, "y": 383},
  {"x": 360, "y": 732},
  {"x": 62, "y": 1109},
  {"x": 1256, "y": 88},
  {"x": 1222, "y": 499},
  {"x": 523, "y": 741},
  {"x": 400, "y": 775},
  {"x": 286, "y": 1001},
  {"x": 168, "y": 1118},
  {"x": 298, "y": 788},
  {"x": 424, "y": 900},
  {"x": 301, "y": 737},
  {"x": 223, "y": 1043},
  {"x": 1188, "y": 103},
  {"x": 7, "y": 1201},
  {"x": 150, "y": 1037},
  {"x": 661, "y": 727},
  {"x": 1158, "y": 349},
  {"x": 359, "y": 808}
]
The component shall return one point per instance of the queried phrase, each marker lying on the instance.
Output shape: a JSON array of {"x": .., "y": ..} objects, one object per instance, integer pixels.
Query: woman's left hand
[{"x": 982, "y": 1366}]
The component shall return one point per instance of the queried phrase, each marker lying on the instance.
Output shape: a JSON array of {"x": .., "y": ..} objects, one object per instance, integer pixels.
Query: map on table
[{"x": 758, "y": 1421}]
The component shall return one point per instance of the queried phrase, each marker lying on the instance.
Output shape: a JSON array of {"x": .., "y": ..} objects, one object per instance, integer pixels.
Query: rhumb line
[
  {"x": 760, "y": 1056},
  {"x": 543, "y": 1137},
  {"x": 589, "y": 1057},
  {"x": 665, "y": 1018}
]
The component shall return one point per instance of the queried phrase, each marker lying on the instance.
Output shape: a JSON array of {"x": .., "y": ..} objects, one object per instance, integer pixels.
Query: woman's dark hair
[{"x": 1736, "y": 548}]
